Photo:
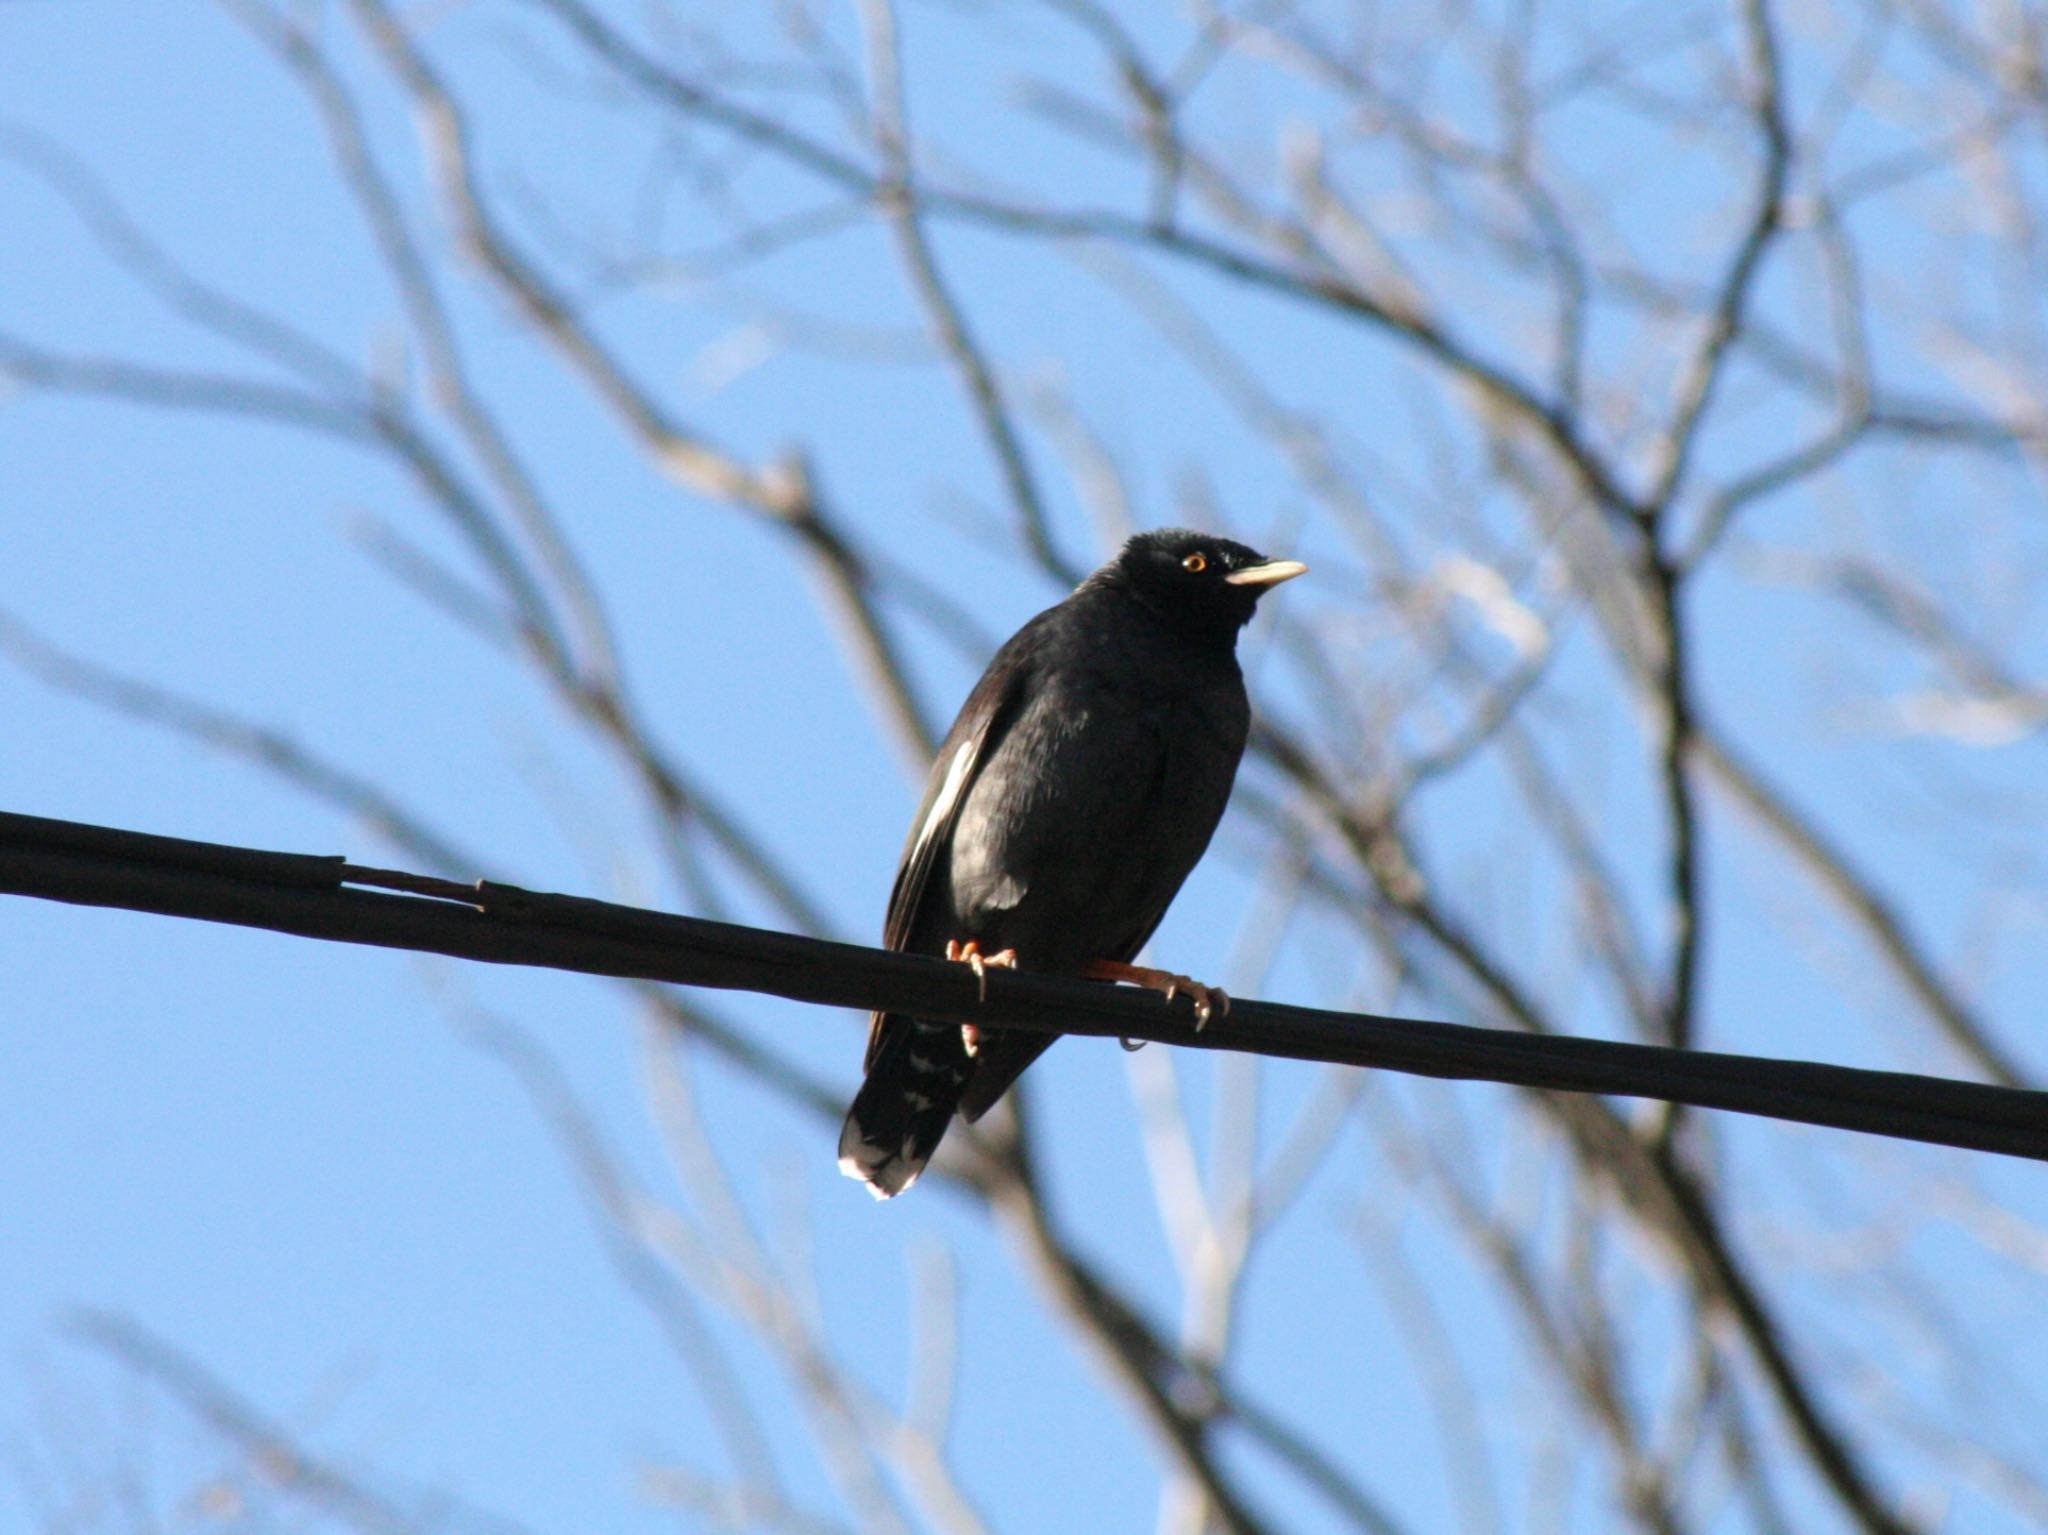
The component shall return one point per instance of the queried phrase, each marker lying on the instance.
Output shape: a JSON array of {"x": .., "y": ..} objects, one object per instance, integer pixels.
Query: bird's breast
[{"x": 1090, "y": 812}]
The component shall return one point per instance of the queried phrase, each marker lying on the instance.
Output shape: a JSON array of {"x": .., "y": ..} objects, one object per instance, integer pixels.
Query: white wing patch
[{"x": 950, "y": 790}]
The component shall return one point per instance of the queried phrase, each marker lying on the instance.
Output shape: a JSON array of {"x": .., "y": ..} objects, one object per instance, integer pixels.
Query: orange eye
[{"x": 1196, "y": 563}]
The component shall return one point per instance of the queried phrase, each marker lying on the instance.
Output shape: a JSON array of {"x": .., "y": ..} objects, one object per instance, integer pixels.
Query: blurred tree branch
[{"x": 1545, "y": 331}]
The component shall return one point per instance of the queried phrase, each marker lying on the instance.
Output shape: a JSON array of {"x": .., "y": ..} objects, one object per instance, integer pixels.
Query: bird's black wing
[{"x": 987, "y": 713}]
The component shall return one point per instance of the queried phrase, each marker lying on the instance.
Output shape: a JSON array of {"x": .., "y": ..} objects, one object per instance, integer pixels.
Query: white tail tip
[{"x": 886, "y": 1173}]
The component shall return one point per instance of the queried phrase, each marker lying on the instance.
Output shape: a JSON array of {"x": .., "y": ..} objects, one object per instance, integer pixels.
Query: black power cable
[{"x": 317, "y": 897}]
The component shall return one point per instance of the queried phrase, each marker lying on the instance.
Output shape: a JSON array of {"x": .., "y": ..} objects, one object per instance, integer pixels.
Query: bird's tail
[{"x": 915, "y": 1077}]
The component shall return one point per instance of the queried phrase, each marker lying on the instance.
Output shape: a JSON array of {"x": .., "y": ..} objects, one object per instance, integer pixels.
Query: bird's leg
[
  {"x": 1210, "y": 1001},
  {"x": 970, "y": 955}
]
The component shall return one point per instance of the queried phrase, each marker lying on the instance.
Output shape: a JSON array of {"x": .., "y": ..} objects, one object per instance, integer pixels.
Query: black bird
[{"x": 1076, "y": 790}]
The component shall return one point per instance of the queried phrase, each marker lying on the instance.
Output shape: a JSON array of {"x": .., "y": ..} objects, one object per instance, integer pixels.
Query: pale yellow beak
[{"x": 1272, "y": 573}]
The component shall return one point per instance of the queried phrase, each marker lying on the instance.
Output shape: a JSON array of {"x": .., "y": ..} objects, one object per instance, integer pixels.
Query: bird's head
[{"x": 1205, "y": 584}]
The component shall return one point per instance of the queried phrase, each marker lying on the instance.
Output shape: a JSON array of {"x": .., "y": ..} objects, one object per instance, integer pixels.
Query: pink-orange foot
[
  {"x": 1210, "y": 1001},
  {"x": 970, "y": 955}
]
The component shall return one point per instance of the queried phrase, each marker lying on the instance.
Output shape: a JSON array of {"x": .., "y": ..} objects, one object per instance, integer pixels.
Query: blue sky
[{"x": 300, "y": 1164}]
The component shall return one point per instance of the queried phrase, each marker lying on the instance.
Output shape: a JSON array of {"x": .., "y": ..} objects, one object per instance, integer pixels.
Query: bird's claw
[
  {"x": 970, "y": 955},
  {"x": 1210, "y": 1001}
]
